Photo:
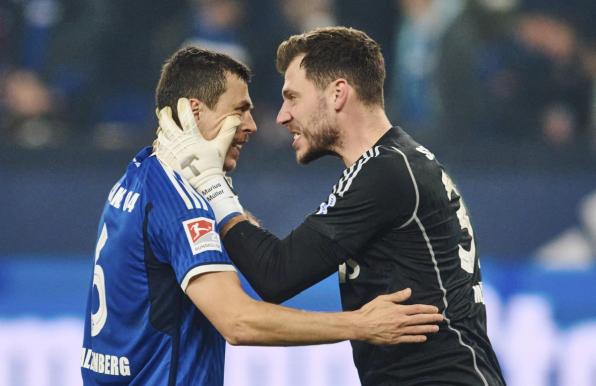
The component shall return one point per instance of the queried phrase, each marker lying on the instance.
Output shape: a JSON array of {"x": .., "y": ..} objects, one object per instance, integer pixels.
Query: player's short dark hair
[
  {"x": 338, "y": 52},
  {"x": 192, "y": 72}
]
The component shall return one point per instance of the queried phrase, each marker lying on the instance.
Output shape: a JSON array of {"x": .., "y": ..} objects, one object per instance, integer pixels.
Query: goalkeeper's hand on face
[{"x": 198, "y": 160}]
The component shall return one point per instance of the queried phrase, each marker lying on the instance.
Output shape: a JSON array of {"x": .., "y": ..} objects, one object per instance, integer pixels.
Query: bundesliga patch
[{"x": 201, "y": 235}]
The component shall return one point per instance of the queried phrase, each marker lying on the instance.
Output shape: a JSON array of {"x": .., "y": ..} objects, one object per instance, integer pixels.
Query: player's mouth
[
  {"x": 296, "y": 135},
  {"x": 236, "y": 147}
]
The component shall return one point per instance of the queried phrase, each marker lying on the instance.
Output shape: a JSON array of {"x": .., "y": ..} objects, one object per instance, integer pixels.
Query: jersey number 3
[
  {"x": 98, "y": 319},
  {"x": 466, "y": 255}
]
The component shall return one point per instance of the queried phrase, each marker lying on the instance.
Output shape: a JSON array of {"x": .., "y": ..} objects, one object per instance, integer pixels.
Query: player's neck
[{"x": 360, "y": 131}]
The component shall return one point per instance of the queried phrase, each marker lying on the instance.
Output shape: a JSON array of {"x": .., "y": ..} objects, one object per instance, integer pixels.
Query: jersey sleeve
[
  {"x": 377, "y": 193},
  {"x": 280, "y": 269},
  {"x": 181, "y": 228}
]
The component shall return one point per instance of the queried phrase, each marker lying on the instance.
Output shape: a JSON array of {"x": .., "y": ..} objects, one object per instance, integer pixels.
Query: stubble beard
[{"x": 322, "y": 137}]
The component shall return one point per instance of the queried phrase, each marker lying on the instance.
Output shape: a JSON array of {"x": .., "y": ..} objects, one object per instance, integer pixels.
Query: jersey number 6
[{"x": 98, "y": 319}]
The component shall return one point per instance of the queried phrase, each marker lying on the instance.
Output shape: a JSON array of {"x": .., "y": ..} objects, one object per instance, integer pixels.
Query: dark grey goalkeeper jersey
[
  {"x": 402, "y": 223},
  {"x": 393, "y": 220}
]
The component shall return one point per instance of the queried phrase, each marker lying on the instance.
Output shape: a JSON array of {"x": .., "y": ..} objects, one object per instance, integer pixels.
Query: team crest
[{"x": 201, "y": 235}]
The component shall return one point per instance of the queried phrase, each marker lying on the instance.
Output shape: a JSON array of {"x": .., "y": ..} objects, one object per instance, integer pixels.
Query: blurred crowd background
[
  {"x": 480, "y": 71},
  {"x": 503, "y": 91}
]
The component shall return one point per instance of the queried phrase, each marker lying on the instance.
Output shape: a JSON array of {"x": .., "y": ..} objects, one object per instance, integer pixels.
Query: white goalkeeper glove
[{"x": 198, "y": 160}]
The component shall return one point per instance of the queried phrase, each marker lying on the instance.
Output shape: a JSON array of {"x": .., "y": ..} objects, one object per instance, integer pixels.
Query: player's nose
[
  {"x": 249, "y": 124},
  {"x": 283, "y": 116}
]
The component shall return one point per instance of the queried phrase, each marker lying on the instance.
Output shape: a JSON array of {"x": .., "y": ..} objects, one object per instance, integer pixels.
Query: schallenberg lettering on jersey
[
  {"x": 201, "y": 235},
  {"x": 105, "y": 363}
]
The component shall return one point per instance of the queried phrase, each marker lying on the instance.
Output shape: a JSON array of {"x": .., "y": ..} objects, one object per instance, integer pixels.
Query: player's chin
[
  {"x": 300, "y": 159},
  {"x": 230, "y": 163},
  {"x": 308, "y": 155},
  {"x": 231, "y": 159},
  {"x": 302, "y": 155}
]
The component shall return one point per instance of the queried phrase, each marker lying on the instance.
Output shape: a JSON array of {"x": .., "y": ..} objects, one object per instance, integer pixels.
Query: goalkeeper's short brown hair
[{"x": 338, "y": 52}]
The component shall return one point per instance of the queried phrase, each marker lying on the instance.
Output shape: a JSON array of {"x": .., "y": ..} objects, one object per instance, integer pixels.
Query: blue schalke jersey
[{"x": 155, "y": 234}]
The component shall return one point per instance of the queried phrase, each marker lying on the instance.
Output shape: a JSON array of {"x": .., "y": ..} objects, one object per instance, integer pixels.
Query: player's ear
[
  {"x": 340, "y": 91},
  {"x": 197, "y": 107}
]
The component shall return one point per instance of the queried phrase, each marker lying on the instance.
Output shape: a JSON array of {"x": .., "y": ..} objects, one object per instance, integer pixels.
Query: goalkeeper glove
[{"x": 198, "y": 160}]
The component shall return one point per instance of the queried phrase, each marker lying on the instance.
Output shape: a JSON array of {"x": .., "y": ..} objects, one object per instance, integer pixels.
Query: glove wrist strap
[{"x": 216, "y": 190}]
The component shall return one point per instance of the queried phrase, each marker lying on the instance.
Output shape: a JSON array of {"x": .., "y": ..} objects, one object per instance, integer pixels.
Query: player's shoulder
[
  {"x": 166, "y": 188},
  {"x": 379, "y": 169},
  {"x": 399, "y": 143},
  {"x": 417, "y": 157},
  {"x": 384, "y": 161}
]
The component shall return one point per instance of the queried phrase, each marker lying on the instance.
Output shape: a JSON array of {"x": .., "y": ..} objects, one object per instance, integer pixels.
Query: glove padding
[{"x": 198, "y": 160}]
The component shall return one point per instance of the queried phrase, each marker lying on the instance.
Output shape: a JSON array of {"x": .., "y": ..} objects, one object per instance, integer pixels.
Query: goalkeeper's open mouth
[{"x": 296, "y": 139}]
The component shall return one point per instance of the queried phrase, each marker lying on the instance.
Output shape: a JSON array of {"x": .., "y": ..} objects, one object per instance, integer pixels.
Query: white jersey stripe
[
  {"x": 176, "y": 185},
  {"x": 345, "y": 181},
  {"x": 337, "y": 187},
  {"x": 345, "y": 185},
  {"x": 189, "y": 191},
  {"x": 354, "y": 169},
  {"x": 201, "y": 269},
  {"x": 199, "y": 197},
  {"x": 194, "y": 194},
  {"x": 415, "y": 187},
  {"x": 445, "y": 303},
  {"x": 367, "y": 156}
]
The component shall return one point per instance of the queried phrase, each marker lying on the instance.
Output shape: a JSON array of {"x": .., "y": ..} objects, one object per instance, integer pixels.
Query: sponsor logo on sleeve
[{"x": 201, "y": 235}]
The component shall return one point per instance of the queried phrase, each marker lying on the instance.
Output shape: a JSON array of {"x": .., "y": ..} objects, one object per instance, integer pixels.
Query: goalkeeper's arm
[{"x": 280, "y": 269}]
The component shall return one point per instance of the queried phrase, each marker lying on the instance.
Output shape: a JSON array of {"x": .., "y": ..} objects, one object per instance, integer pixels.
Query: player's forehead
[
  {"x": 236, "y": 94},
  {"x": 295, "y": 76}
]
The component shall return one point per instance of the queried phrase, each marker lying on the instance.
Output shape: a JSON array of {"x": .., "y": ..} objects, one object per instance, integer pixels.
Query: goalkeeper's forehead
[{"x": 295, "y": 78}]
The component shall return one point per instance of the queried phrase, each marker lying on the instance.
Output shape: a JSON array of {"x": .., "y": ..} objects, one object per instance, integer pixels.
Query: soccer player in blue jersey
[{"x": 165, "y": 296}]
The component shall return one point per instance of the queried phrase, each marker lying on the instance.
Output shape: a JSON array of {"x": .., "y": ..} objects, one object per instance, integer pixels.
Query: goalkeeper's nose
[{"x": 284, "y": 116}]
